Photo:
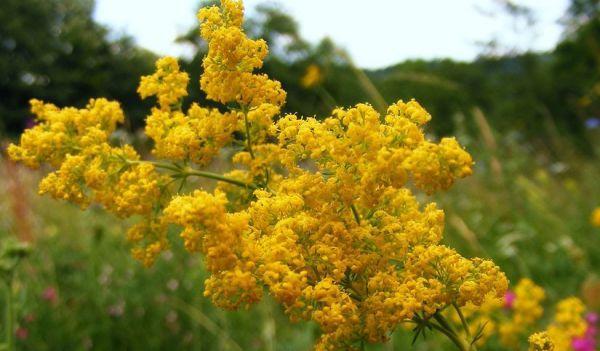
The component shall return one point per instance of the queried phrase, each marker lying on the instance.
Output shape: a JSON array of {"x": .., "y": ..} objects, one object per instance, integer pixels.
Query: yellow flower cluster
[
  {"x": 540, "y": 342},
  {"x": 197, "y": 135},
  {"x": 312, "y": 77},
  {"x": 318, "y": 212},
  {"x": 63, "y": 132},
  {"x": 167, "y": 83},
  {"x": 595, "y": 217},
  {"x": 88, "y": 169},
  {"x": 569, "y": 323},
  {"x": 569, "y": 329},
  {"x": 526, "y": 309},
  {"x": 231, "y": 59},
  {"x": 512, "y": 317}
]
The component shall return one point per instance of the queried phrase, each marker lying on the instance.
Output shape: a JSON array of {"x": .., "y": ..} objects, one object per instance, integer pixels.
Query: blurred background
[{"x": 518, "y": 83}]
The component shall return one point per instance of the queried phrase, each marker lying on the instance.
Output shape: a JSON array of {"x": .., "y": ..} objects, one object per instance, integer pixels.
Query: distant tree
[
  {"x": 53, "y": 50},
  {"x": 581, "y": 12}
]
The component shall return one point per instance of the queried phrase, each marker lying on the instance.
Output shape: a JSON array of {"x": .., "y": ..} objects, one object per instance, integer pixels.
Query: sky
[{"x": 376, "y": 33}]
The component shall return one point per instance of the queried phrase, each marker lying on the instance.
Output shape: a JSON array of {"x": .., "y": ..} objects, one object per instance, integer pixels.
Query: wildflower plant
[
  {"x": 512, "y": 318},
  {"x": 312, "y": 77},
  {"x": 595, "y": 217},
  {"x": 12, "y": 252},
  {"x": 518, "y": 313},
  {"x": 320, "y": 214},
  {"x": 572, "y": 328}
]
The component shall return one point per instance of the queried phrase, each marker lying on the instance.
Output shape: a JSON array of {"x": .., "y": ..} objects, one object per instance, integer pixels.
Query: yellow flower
[
  {"x": 150, "y": 238},
  {"x": 312, "y": 77},
  {"x": 197, "y": 136},
  {"x": 412, "y": 110},
  {"x": 595, "y": 217},
  {"x": 540, "y": 342},
  {"x": 168, "y": 83},
  {"x": 527, "y": 305},
  {"x": 67, "y": 131},
  {"x": 320, "y": 214},
  {"x": 568, "y": 323},
  {"x": 231, "y": 59},
  {"x": 526, "y": 310}
]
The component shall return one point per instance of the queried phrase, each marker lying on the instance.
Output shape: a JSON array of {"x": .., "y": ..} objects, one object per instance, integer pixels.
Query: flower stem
[
  {"x": 355, "y": 213},
  {"x": 462, "y": 344},
  {"x": 156, "y": 164},
  {"x": 186, "y": 172},
  {"x": 462, "y": 320},
  {"x": 440, "y": 319},
  {"x": 9, "y": 317},
  {"x": 248, "y": 137},
  {"x": 218, "y": 177}
]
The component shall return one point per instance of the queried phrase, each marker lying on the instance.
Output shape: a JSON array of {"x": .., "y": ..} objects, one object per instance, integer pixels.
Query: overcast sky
[{"x": 377, "y": 33}]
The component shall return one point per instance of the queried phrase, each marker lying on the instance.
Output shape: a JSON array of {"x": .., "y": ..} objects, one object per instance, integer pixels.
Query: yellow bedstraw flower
[
  {"x": 595, "y": 217},
  {"x": 540, "y": 342},
  {"x": 525, "y": 306},
  {"x": 312, "y": 77},
  {"x": 568, "y": 330},
  {"x": 61, "y": 132},
  {"x": 511, "y": 316},
  {"x": 167, "y": 83},
  {"x": 318, "y": 213},
  {"x": 150, "y": 239},
  {"x": 197, "y": 136},
  {"x": 569, "y": 323},
  {"x": 231, "y": 59}
]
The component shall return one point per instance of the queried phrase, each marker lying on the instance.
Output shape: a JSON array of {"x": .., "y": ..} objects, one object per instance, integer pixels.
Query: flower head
[
  {"x": 322, "y": 214},
  {"x": 595, "y": 217}
]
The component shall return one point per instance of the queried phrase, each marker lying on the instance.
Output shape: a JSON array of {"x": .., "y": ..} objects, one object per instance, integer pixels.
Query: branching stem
[
  {"x": 187, "y": 172},
  {"x": 355, "y": 213},
  {"x": 463, "y": 320},
  {"x": 248, "y": 137},
  {"x": 10, "y": 317},
  {"x": 447, "y": 330}
]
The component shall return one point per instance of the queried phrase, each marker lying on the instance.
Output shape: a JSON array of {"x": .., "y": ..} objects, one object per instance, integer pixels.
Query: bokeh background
[{"x": 518, "y": 82}]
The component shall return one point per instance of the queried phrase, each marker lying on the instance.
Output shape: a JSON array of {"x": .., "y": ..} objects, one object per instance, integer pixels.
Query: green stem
[
  {"x": 463, "y": 320},
  {"x": 355, "y": 213},
  {"x": 156, "y": 164},
  {"x": 440, "y": 319},
  {"x": 248, "y": 138},
  {"x": 249, "y": 146},
  {"x": 10, "y": 317},
  {"x": 460, "y": 342},
  {"x": 218, "y": 177},
  {"x": 185, "y": 172}
]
